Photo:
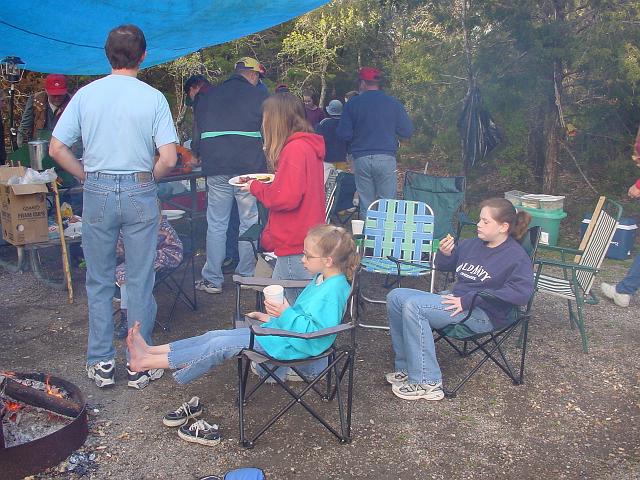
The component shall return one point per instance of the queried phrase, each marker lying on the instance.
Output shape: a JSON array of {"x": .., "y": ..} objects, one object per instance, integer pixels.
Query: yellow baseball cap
[{"x": 248, "y": 63}]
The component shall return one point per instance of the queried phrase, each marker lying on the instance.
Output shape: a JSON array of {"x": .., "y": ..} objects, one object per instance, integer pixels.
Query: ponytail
[{"x": 503, "y": 211}]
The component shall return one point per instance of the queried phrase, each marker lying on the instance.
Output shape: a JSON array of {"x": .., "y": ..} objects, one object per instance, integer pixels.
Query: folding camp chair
[
  {"x": 578, "y": 275},
  {"x": 330, "y": 188},
  {"x": 397, "y": 242},
  {"x": 252, "y": 234},
  {"x": 445, "y": 195},
  {"x": 491, "y": 343},
  {"x": 171, "y": 280},
  {"x": 343, "y": 209},
  {"x": 340, "y": 363}
]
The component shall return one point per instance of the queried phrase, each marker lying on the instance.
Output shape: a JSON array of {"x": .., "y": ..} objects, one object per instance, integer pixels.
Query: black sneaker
[
  {"x": 200, "y": 432},
  {"x": 139, "y": 380},
  {"x": 122, "y": 328},
  {"x": 180, "y": 416},
  {"x": 102, "y": 373}
]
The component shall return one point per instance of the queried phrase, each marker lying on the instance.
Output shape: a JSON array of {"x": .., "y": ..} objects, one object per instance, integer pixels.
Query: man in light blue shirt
[{"x": 121, "y": 121}]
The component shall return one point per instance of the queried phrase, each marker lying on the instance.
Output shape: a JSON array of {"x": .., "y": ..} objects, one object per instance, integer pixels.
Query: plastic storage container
[
  {"x": 515, "y": 197},
  {"x": 622, "y": 241},
  {"x": 543, "y": 202},
  {"x": 548, "y": 221}
]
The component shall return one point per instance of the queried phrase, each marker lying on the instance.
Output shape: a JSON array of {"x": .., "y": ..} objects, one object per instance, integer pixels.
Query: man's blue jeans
[
  {"x": 219, "y": 203},
  {"x": 112, "y": 203},
  {"x": 631, "y": 282},
  {"x": 412, "y": 315},
  {"x": 376, "y": 178}
]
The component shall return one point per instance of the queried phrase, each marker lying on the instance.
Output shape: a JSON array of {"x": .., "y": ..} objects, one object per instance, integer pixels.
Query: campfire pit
[{"x": 42, "y": 420}]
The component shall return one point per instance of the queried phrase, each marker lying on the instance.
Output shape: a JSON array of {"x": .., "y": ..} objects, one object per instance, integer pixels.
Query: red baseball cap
[
  {"x": 56, "y": 84},
  {"x": 370, "y": 74}
]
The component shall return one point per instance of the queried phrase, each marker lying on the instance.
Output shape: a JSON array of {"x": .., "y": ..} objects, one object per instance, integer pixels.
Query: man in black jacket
[{"x": 228, "y": 119}]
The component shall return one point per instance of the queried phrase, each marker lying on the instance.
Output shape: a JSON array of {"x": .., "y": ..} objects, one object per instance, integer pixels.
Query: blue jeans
[
  {"x": 412, "y": 315},
  {"x": 290, "y": 267},
  {"x": 376, "y": 178},
  {"x": 631, "y": 282},
  {"x": 219, "y": 203},
  {"x": 112, "y": 203}
]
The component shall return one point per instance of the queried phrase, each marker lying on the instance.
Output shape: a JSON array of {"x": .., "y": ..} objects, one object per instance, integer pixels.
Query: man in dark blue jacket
[
  {"x": 228, "y": 119},
  {"x": 371, "y": 123}
]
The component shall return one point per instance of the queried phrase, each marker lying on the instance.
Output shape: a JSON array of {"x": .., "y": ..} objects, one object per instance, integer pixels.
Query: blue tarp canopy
[{"x": 67, "y": 36}]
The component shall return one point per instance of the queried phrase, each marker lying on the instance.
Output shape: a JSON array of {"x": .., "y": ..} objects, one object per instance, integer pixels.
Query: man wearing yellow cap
[{"x": 228, "y": 120}]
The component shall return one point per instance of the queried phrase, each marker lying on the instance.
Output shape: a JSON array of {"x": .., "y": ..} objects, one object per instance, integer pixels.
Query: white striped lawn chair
[{"x": 578, "y": 275}]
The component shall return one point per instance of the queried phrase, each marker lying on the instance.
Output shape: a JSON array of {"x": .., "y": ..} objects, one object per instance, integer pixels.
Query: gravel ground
[{"x": 576, "y": 416}]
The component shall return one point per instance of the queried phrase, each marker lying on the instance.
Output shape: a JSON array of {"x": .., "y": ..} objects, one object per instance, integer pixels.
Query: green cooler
[{"x": 548, "y": 221}]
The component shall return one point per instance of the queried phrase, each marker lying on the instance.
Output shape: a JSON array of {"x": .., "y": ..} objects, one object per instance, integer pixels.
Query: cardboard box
[{"x": 23, "y": 209}]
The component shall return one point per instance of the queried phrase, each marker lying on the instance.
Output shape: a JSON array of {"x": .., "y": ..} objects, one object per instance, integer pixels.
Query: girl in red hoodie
[{"x": 295, "y": 199}]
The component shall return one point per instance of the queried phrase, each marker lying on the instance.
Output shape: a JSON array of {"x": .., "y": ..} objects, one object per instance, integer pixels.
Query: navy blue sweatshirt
[
  {"x": 504, "y": 271},
  {"x": 335, "y": 149},
  {"x": 372, "y": 122}
]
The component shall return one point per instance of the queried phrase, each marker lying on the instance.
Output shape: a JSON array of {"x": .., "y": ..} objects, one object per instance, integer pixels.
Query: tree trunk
[{"x": 551, "y": 132}]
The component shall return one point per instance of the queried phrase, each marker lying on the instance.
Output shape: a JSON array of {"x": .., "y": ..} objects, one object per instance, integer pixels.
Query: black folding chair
[
  {"x": 173, "y": 280},
  {"x": 491, "y": 343},
  {"x": 252, "y": 235},
  {"x": 340, "y": 364}
]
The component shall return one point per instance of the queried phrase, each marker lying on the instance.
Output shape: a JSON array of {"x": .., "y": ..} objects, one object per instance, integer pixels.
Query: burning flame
[
  {"x": 53, "y": 391},
  {"x": 12, "y": 407}
]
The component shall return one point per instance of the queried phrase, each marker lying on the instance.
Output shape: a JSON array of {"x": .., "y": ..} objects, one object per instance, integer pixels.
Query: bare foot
[{"x": 138, "y": 349}]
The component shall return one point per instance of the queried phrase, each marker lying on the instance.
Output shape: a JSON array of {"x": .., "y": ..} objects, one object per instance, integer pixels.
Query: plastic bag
[{"x": 32, "y": 176}]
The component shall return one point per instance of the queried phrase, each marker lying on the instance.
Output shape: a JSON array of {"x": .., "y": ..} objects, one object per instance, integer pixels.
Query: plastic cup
[
  {"x": 274, "y": 293},
  {"x": 357, "y": 227}
]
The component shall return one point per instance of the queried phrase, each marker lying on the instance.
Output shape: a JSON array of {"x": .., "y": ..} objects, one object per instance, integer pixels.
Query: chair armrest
[
  {"x": 488, "y": 297},
  {"x": 560, "y": 264},
  {"x": 276, "y": 332},
  {"x": 263, "y": 282},
  {"x": 416, "y": 263},
  {"x": 552, "y": 248}
]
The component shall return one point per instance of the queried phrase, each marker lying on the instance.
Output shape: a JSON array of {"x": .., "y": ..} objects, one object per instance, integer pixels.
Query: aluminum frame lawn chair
[
  {"x": 397, "y": 242},
  {"x": 576, "y": 281},
  {"x": 491, "y": 343},
  {"x": 340, "y": 368}
]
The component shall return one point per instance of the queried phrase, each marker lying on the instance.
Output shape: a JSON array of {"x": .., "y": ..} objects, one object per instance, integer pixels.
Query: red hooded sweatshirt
[{"x": 295, "y": 199}]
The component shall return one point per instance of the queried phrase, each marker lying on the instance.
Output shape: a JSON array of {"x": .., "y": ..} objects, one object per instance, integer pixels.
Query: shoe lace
[
  {"x": 184, "y": 408},
  {"x": 202, "y": 425}
]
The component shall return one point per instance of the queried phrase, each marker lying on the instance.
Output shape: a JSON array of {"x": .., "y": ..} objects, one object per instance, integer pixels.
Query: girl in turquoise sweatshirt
[{"x": 329, "y": 255}]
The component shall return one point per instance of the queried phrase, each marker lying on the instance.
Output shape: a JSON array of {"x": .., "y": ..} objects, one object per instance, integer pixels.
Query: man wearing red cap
[
  {"x": 372, "y": 123},
  {"x": 43, "y": 109}
]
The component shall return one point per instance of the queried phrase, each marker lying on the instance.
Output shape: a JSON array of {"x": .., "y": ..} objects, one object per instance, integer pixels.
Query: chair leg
[
  {"x": 572, "y": 317},
  {"x": 580, "y": 322},
  {"x": 242, "y": 385},
  {"x": 522, "y": 343}
]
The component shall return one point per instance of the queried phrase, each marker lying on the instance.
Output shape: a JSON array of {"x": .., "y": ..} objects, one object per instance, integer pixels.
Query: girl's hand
[
  {"x": 446, "y": 245},
  {"x": 275, "y": 309},
  {"x": 246, "y": 187},
  {"x": 634, "y": 192},
  {"x": 261, "y": 317},
  {"x": 455, "y": 304}
]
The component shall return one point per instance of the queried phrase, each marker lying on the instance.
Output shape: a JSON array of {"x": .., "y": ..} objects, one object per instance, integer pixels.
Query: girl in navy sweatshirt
[{"x": 494, "y": 262}]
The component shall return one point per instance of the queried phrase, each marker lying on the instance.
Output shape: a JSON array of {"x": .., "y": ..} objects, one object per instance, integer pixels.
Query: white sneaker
[
  {"x": 207, "y": 286},
  {"x": 419, "y": 391},
  {"x": 139, "y": 380},
  {"x": 397, "y": 378},
  {"x": 103, "y": 373},
  {"x": 609, "y": 291}
]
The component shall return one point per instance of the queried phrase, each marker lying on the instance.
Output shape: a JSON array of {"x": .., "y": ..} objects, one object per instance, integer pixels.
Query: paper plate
[
  {"x": 173, "y": 214},
  {"x": 262, "y": 177}
]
